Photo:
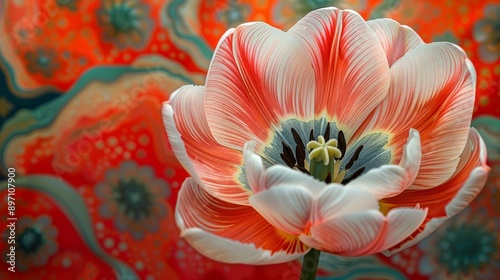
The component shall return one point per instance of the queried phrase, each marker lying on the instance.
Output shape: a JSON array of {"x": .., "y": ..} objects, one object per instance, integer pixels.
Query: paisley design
[{"x": 50, "y": 44}]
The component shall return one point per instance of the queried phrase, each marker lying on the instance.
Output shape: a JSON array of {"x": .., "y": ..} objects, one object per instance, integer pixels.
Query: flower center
[
  {"x": 327, "y": 153},
  {"x": 30, "y": 240},
  {"x": 133, "y": 198},
  {"x": 321, "y": 151},
  {"x": 122, "y": 18},
  {"x": 326, "y": 156},
  {"x": 466, "y": 247}
]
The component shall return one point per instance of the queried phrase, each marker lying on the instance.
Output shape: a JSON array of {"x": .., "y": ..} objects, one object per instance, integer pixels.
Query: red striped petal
[
  {"x": 396, "y": 39},
  {"x": 432, "y": 90},
  {"x": 258, "y": 76},
  {"x": 449, "y": 198},
  {"x": 215, "y": 167},
  {"x": 351, "y": 69},
  {"x": 220, "y": 229}
]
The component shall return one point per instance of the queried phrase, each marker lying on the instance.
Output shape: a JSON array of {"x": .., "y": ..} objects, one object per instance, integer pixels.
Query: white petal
[
  {"x": 176, "y": 142},
  {"x": 464, "y": 197},
  {"x": 254, "y": 168},
  {"x": 364, "y": 233},
  {"x": 385, "y": 181},
  {"x": 401, "y": 223},
  {"x": 347, "y": 234},
  {"x": 287, "y": 207},
  {"x": 229, "y": 251},
  {"x": 336, "y": 200},
  {"x": 412, "y": 156},
  {"x": 281, "y": 175},
  {"x": 390, "y": 180}
]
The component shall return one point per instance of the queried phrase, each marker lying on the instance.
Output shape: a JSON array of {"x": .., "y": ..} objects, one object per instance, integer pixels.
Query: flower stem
[{"x": 310, "y": 265}]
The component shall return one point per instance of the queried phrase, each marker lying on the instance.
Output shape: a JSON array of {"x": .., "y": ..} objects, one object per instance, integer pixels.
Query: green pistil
[
  {"x": 323, "y": 159},
  {"x": 321, "y": 151}
]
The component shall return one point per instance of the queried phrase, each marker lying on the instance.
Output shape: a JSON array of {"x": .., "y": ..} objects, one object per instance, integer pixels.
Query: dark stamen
[
  {"x": 301, "y": 155},
  {"x": 353, "y": 176},
  {"x": 297, "y": 139},
  {"x": 300, "y": 149},
  {"x": 287, "y": 151},
  {"x": 287, "y": 160},
  {"x": 341, "y": 144},
  {"x": 354, "y": 157},
  {"x": 303, "y": 169},
  {"x": 328, "y": 178},
  {"x": 327, "y": 132},
  {"x": 311, "y": 135}
]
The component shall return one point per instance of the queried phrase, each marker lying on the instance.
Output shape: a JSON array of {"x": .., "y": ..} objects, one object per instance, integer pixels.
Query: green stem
[{"x": 310, "y": 265}]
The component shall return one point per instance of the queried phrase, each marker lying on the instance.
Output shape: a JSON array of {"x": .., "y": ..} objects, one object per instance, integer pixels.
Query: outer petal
[
  {"x": 351, "y": 69},
  {"x": 258, "y": 75},
  {"x": 364, "y": 233},
  {"x": 432, "y": 90},
  {"x": 228, "y": 251},
  {"x": 211, "y": 165},
  {"x": 390, "y": 180},
  {"x": 449, "y": 198},
  {"x": 396, "y": 39},
  {"x": 219, "y": 230}
]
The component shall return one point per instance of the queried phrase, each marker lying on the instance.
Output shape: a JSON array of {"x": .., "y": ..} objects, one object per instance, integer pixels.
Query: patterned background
[{"x": 81, "y": 85}]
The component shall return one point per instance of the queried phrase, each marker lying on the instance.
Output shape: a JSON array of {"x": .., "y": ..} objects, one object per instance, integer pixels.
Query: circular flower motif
[
  {"x": 41, "y": 61},
  {"x": 346, "y": 136},
  {"x": 35, "y": 241},
  {"x": 487, "y": 33},
  {"x": 69, "y": 4},
  {"x": 462, "y": 250},
  {"x": 233, "y": 13},
  {"x": 125, "y": 23},
  {"x": 133, "y": 197}
]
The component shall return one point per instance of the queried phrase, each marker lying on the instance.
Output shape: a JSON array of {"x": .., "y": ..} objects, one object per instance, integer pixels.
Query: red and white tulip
[{"x": 341, "y": 135}]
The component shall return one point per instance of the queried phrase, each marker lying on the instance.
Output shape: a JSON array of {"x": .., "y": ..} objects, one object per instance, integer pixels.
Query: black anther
[
  {"x": 341, "y": 144},
  {"x": 287, "y": 160},
  {"x": 354, "y": 157},
  {"x": 353, "y": 176},
  {"x": 328, "y": 178},
  {"x": 303, "y": 169},
  {"x": 311, "y": 135},
  {"x": 327, "y": 132},
  {"x": 288, "y": 151},
  {"x": 300, "y": 149}
]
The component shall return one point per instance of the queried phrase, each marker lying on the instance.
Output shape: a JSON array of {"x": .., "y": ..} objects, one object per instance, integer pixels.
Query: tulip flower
[{"x": 340, "y": 135}]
